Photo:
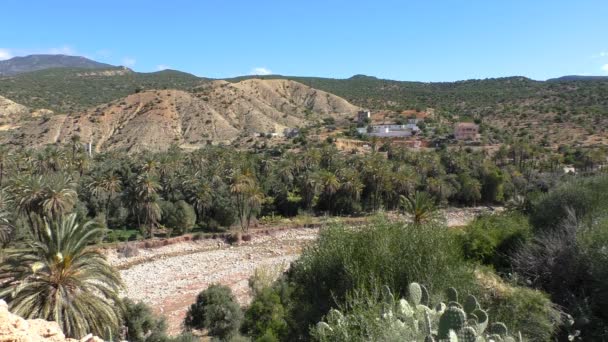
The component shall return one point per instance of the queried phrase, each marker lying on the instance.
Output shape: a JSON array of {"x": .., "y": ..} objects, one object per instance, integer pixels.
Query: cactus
[
  {"x": 425, "y": 299},
  {"x": 467, "y": 334},
  {"x": 452, "y": 319},
  {"x": 470, "y": 304},
  {"x": 495, "y": 338},
  {"x": 415, "y": 292},
  {"x": 482, "y": 320},
  {"x": 499, "y": 328},
  {"x": 454, "y": 304},
  {"x": 452, "y": 294},
  {"x": 413, "y": 320},
  {"x": 387, "y": 295},
  {"x": 426, "y": 323}
]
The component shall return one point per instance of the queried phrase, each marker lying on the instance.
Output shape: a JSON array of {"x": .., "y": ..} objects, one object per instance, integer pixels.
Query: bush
[
  {"x": 491, "y": 239},
  {"x": 217, "y": 311},
  {"x": 142, "y": 325},
  {"x": 179, "y": 216},
  {"x": 344, "y": 259},
  {"x": 582, "y": 196},
  {"x": 265, "y": 318}
]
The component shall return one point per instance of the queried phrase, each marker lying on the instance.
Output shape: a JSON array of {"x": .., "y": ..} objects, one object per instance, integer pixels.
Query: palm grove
[{"x": 56, "y": 202}]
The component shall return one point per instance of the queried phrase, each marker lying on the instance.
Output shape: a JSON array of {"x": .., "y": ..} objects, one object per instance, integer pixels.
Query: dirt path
[{"x": 168, "y": 278}]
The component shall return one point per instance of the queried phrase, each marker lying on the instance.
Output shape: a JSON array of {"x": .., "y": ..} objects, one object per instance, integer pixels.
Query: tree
[
  {"x": 146, "y": 189},
  {"x": 247, "y": 198},
  {"x": 179, "y": 216},
  {"x": 420, "y": 206},
  {"x": 59, "y": 196},
  {"x": 106, "y": 187},
  {"x": 217, "y": 311},
  {"x": 57, "y": 278}
]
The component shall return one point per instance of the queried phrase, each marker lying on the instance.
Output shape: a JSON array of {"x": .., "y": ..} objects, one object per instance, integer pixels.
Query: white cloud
[
  {"x": 129, "y": 61},
  {"x": 605, "y": 67},
  {"x": 162, "y": 67},
  {"x": 600, "y": 55},
  {"x": 5, "y": 54},
  {"x": 260, "y": 71}
]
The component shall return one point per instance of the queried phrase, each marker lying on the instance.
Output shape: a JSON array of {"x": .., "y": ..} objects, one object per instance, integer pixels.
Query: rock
[{"x": 16, "y": 329}]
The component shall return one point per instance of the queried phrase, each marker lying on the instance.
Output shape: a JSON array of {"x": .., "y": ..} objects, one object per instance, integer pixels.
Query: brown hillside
[{"x": 218, "y": 111}]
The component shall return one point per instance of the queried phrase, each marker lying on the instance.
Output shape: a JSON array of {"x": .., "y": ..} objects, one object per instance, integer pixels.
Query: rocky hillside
[
  {"x": 17, "y": 329},
  {"x": 18, "y": 65},
  {"x": 216, "y": 111}
]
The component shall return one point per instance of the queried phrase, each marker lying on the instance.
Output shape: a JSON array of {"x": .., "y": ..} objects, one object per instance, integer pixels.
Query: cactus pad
[
  {"x": 452, "y": 319},
  {"x": 452, "y": 294},
  {"x": 415, "y": 293}
]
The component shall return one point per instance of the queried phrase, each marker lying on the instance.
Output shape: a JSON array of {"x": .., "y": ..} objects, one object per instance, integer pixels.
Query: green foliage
[
  {"x": 373, "y": 317},
  {"x": 583, "y": 196},
  {"x": 58, "y": 278},
  {"x": 491, "y": 239},
  {"x": 141, "y": 324},
  {"x": 344, "y": 259},
  {"x": 217, "y": 311},
  {"x": 265, "y": 319},
  {"x": 178, "y": 216}
]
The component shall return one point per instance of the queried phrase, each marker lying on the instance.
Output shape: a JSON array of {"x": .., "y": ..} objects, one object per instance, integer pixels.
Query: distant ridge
[
  {"x": 19, "y": 65},
  {"x": 578, "y": 78}
]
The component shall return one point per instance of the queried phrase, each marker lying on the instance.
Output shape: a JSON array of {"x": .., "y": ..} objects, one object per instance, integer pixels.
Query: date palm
[
  {"x": 105, "y": 187},
  {"x": 247, "y": 198},
  {"x": 59, "y": 196},
  {"x": 57, "y": 278},
  {"x": 420, "y": 206},
  {"x": 146, "y": 194}
]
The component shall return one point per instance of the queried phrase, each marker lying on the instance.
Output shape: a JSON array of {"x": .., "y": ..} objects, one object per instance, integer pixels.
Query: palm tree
[
  {"x": 59, "y": 196},
  {"x": 57, "y": 278},
  {"x": 28, "y": 192},
  {"x": 146, "y": 193},
  {"x": 75, "y": 140},
  {"x": 421, "y": 207},
  {"x": 6, "y": 228},
  {"x": 247, "y": 197},
  {"x": 106, "y": 187}
]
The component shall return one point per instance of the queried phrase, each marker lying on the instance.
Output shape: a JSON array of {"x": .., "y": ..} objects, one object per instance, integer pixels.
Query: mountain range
[
  {"x": 18, "y": 65},
  {"x": 47, "y": 98}
]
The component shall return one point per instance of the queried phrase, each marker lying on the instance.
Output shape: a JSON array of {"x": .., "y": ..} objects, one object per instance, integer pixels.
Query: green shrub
[
  {"x": 142, "y": 325},
  {"x": 217, "y": 311},
  {"x": 265, "y": 318},
  {"x": 583, "y": 196},
  {"x": 344, "y": 259},
  {"x": 491, "y": 239},
  {"x": 179, "y": 216}
]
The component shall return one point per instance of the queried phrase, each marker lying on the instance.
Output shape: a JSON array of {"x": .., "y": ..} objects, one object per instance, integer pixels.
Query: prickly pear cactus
[
  {"x": 482, "y": 320},
  {"x": 425, "y": 299},
  {"x": 452, "y": 319},
  {"x": 467, "y": 334},
  {"x": 415, "y": 294},
  {"x": 452, "y": 294},
  {"x": 470, "y": 304},
  {"x": 499, "y": 328}
]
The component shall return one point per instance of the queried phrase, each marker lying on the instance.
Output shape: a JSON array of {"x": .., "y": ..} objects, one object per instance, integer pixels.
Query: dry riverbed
[{"x": 168, "y": 278}]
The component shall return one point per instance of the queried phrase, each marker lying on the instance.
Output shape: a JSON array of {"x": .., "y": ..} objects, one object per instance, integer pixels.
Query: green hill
[{"x": 66, "y": 90}]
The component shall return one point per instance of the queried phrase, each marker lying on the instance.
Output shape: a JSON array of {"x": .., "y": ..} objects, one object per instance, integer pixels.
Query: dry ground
[{"x": 168, "y": 278}]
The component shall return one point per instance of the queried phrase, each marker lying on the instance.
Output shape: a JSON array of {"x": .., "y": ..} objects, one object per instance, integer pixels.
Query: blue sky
[{"x": 404, "y": 40}]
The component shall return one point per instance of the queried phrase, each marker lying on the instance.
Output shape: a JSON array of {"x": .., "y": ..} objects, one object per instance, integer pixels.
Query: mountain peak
[{"x": 18, "y": 65}]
